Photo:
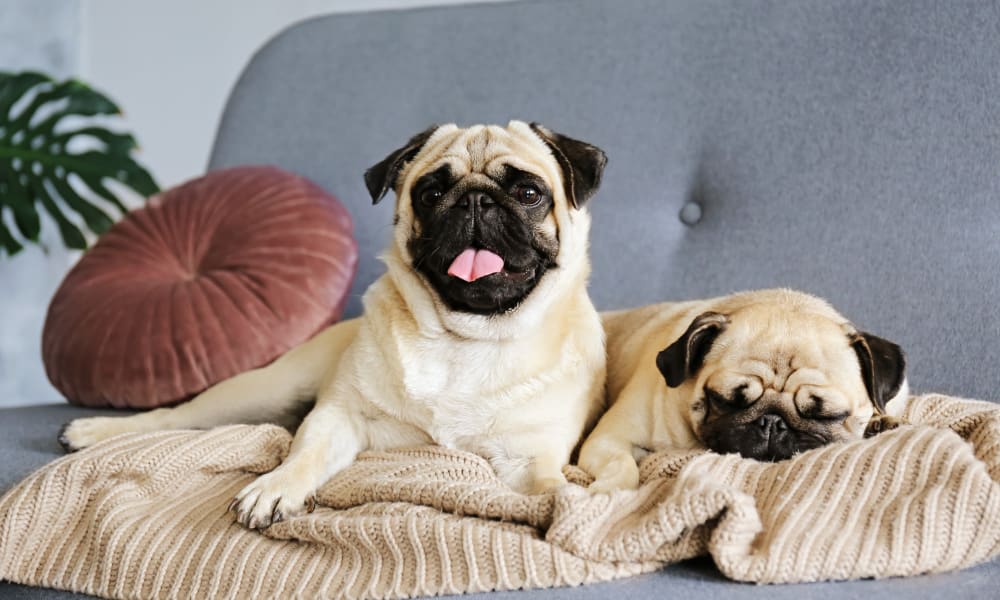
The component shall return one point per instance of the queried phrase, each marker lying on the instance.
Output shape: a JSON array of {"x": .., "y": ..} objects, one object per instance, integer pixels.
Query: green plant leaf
[
  {"x": 27, "y": 220},
  {"x": 13, "y": 88},
  {"x": 36, "y": 164},
  {"x": 71, "y": 235},
  {"x": 7, "y": 241},
  {"x": 96, "y": 219}
]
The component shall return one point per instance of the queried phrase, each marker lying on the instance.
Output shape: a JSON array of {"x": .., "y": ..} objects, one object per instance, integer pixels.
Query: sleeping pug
[
  {"x": 765, "y": 374},
  {"x": 480, "y": 336}
]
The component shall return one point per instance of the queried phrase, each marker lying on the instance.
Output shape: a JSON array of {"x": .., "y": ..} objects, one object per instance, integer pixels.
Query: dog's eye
[
  {"x": 819, "y": 412},
  {"x": 528, "y": 195},
  {"x": 831, "y": 417},
  {"x": 717, "y": 401},
  {"x": 431, "y": 195}
]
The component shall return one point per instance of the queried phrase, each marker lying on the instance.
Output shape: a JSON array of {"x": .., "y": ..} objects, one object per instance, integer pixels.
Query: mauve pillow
[{"x": 214, "y": 277}]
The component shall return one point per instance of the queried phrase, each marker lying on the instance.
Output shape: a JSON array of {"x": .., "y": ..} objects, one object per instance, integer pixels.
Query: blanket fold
[{"x": 143, "y": 516}]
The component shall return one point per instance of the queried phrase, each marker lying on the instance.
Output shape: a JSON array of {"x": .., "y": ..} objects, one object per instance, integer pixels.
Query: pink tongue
[{"x": 472, "y": 264}]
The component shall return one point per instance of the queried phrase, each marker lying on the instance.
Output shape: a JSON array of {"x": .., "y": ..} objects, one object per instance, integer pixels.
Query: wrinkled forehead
[
  {"x": 488, "y": 150},
  {"x": 788, "y": 340}
]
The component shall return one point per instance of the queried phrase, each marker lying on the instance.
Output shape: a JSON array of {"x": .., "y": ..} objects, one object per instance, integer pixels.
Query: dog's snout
[
  {"x": 772, "y": 423},
  {"x": 475, "y": 199}
]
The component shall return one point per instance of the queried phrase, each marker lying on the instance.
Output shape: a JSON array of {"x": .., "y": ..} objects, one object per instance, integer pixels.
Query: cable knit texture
[{"x": 144, "y": 516}]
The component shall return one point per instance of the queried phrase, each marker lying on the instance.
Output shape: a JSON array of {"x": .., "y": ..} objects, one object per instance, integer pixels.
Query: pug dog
[
  {"x": 766, "y": 374},
  {"x": 480, "y": 336}
]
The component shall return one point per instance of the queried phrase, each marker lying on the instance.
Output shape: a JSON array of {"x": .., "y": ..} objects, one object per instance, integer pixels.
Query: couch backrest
[{"x": 850, "y": 149}]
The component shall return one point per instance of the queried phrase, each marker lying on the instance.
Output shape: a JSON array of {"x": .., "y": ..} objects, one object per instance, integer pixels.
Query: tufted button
[{"x": 691, "y": 213}]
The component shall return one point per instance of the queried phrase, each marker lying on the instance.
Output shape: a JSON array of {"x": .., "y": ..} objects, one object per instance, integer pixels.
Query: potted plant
[{"x": 55, "y": 155}]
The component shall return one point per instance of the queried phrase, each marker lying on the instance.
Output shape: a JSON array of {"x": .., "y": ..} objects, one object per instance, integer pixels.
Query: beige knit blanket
[{"x": 144, "y": 516}]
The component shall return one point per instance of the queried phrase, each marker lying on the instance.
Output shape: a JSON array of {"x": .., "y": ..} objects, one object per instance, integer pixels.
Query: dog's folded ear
[
  {"x": 883, "y": 367},
  {"x": 582, "y": 164},
  {"x": 685, "y": 356},
  {"x": 381, "y": 177}
]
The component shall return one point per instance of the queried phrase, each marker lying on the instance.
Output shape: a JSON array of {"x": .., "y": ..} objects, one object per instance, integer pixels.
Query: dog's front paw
[
  {"x": 611, "y": 471},
  {"x": 272, "y": 497},
  {"x": 81, "y": 433},
  {"x": 606, "y": 485},
  {"x": 549, "y": 483},
  {"x": 621, "y": 475},
  {"x": 882, "y": 423}
]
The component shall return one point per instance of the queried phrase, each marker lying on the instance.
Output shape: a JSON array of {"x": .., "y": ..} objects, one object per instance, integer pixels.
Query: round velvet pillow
[{"x": 214, "y": 277}]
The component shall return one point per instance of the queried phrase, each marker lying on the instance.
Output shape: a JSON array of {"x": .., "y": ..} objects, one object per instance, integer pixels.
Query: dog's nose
[
  {"x": 772, "y": 423},
  {"x": 475, "y": 200}
]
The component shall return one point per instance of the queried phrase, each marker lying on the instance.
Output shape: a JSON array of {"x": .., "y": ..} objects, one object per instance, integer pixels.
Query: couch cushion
[
  {"x": 848, "y": 149},
  {"x": 212, "y": 278},
  {"x": 28, "y": 437},
  {"x": 28, "y": 441}
]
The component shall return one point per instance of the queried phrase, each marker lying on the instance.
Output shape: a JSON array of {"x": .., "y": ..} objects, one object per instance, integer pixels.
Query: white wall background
[
  {"x": 170, "y": 66},
  {"x": 34, "y": 34}
]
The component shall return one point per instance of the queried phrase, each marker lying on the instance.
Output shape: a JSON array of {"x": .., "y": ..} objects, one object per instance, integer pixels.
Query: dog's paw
[
  {"x": 272, "y": 497},
  {"x": 612, "y": 484},
  {"x": 625, "y": 477},
  {"x": 882, "y": 423},
  {"x": 542, "y": 485},
  {"x": 81, "y": 433}
]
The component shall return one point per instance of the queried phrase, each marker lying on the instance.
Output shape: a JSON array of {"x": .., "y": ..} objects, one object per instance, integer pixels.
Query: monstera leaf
[{"x": 51, "y": 152}]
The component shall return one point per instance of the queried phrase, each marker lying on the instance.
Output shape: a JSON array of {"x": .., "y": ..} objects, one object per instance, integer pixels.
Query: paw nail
[{"x": 63, "y": 440}]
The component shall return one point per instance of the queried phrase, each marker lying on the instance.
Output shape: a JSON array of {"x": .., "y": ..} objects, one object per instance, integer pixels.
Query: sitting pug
[
  {"x": 480, "y": 336},
  {"x": 765, "y": 374}
]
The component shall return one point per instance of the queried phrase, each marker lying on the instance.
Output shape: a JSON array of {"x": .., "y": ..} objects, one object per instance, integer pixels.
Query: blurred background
[{"x": 170, "y": 66}]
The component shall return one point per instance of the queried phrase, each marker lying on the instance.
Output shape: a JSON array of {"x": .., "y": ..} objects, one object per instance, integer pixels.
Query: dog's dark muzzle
[
  {"x": 773, "y": 431},
  {"x": 768, "y": 437},
  {"x": 474, "y": 200}
]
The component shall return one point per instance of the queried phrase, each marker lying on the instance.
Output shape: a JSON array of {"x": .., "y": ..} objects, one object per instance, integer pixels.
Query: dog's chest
[{"x": 466, "y": 389}]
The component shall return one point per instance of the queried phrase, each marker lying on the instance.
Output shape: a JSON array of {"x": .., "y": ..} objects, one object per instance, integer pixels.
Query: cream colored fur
[
  {"x": 518, "y": 388},
  {"x": 785, "y": 341}
]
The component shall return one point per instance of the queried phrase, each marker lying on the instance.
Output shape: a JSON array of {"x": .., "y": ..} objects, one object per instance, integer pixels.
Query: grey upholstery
[
  {"x": 850, "y": 149},
  {"x": 27, "y": 441}
]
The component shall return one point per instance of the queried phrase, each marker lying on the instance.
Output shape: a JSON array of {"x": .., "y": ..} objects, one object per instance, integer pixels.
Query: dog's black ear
[
  {"x": 382, "y": 177},
  {"x": 883, "y": 367},
  {"x": 684, "y": 357},
  {"x": 582, "y": 164}
]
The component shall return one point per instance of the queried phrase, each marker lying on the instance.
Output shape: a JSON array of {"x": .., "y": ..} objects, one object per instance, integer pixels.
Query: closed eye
[
  {"x": 831, "y": 418},
  {"x": 818, "y": 412},
  {"x": 716, "y": 401}
]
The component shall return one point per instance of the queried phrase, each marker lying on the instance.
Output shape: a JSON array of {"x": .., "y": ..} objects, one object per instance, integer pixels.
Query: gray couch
[{"x": 850, "y": 149}]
